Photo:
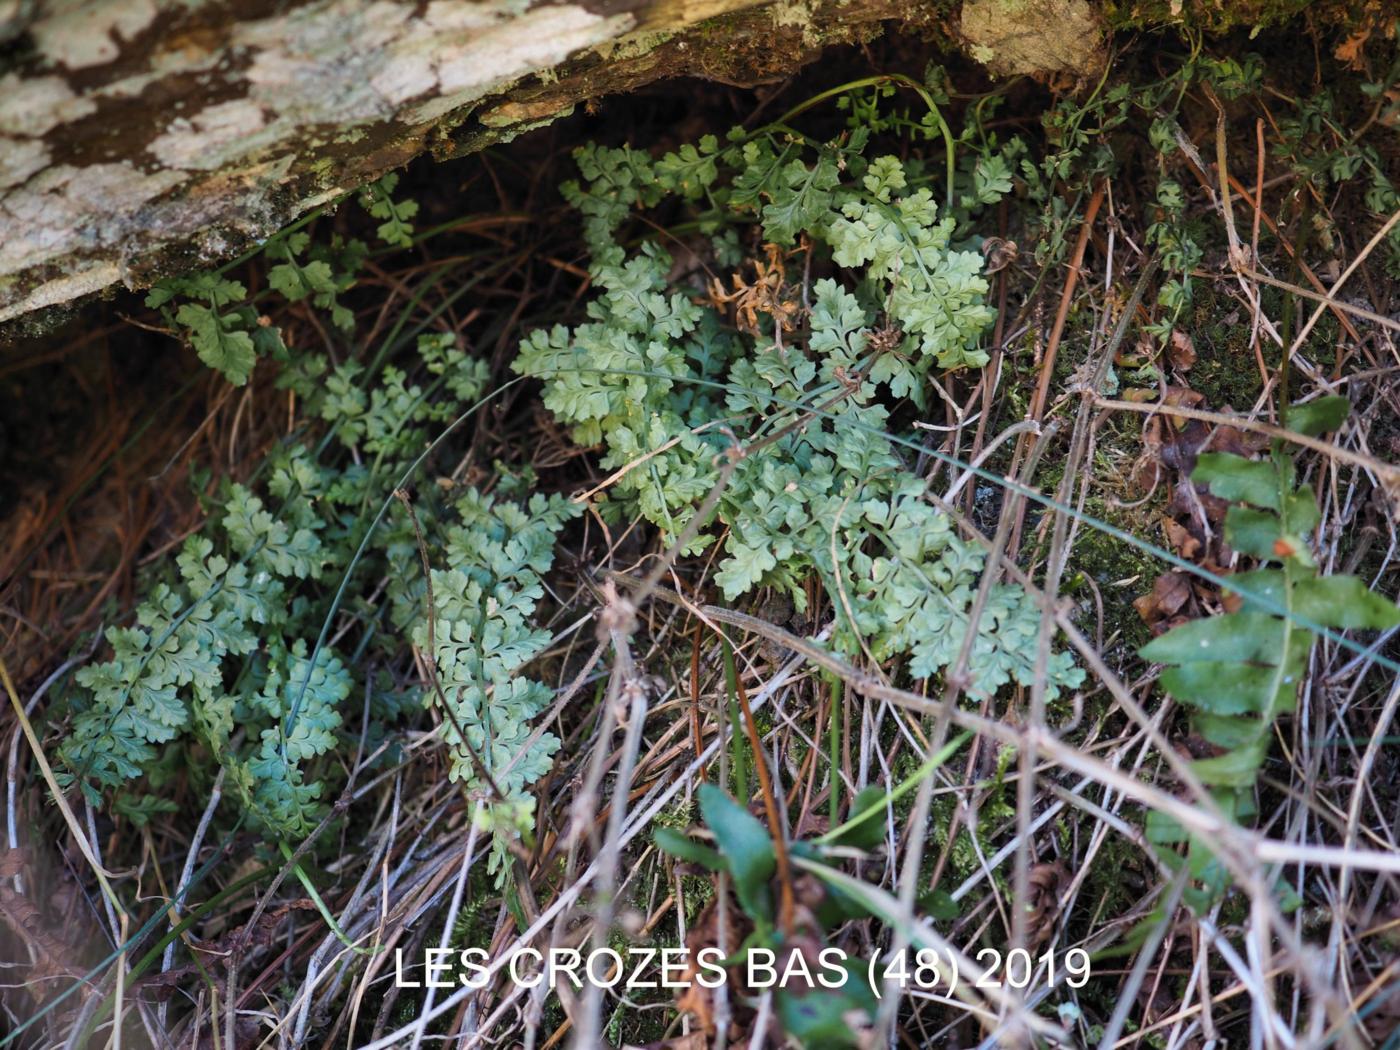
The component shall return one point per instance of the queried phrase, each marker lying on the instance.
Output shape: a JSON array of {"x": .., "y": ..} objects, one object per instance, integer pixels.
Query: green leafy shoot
[
  {"x": 1239, "y": 672},
  {"x": 227, "y": 656},
  {"x": 219, "y": 335},
  {"x": 377, "y": 199},
  {"x": 745, "y": 852}
]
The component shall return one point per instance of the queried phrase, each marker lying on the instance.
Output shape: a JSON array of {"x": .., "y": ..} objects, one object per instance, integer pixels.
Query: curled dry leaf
[
  {"x": 1162, "y": 440},
  {"x": 55, "y": 954},
  {"x": 768, "y": 293},
  {"x": 999, "y": 253},
  {"x": 1043, "y": 906},
  {"x": 1349, "y": 50},
  {"x": 1169, "y": 596},
  {"x": 1172, "y": 442},
  {"x": 1181, "y": 351}
]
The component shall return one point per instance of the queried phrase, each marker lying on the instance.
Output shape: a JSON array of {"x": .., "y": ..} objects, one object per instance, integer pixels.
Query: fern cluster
[
  {"x": 228, "y": 657},
  {"x": 243, "y": 652},
  {"x": 210, "y": 652},
  {"x": 809, "y": 370}
]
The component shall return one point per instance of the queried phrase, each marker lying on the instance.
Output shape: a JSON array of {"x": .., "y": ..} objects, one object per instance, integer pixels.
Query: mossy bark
[{"x": 144, "y": 137}]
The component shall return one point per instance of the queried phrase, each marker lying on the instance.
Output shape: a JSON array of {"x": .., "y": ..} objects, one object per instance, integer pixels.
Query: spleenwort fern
[
  {"x": 221, "y": 333},
  {"x": 1241, "y": 671},
  {"x": 664, "y": 382},
  {"x": 378, "y": 200},
  {"x": 223, "y": 659},
  {"x": 233, "y": 656},
  {"x": 272, "y": 779}
]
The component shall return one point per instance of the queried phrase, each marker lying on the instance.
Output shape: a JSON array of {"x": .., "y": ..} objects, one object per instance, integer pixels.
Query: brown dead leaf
[
  {"x": 1176, "y": 598},
  {"x": 1350, "y": 50},
  {"x": 999, "y": 253},
  {"x": 1239, "y": 442},
  {"x": 1202, "y": 515},
  {"x": 56, "y": 954},
  {"x": 1180, "y": 540},
  {"x": 695, "y": 999},
  {"x": 768, "y": 293},
  {"x": 1043, "y": 906},
  {"x": 1390, "y": 116},
  {"x": 1198, "y": 747},
  {"x": 1170, "y": 592},
  {"x": 811, "y": 824},
  {"x": 1166, "y": 442},
  {"x": 1193, "y": 520},
  {"x": 1181, "y": 351},
  {"x": 1174, "y": 443}
]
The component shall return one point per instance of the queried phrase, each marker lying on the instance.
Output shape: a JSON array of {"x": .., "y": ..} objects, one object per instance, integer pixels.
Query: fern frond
[
  {"x": 1240, "y": 671},
  {"x": 482, "y": 637}
]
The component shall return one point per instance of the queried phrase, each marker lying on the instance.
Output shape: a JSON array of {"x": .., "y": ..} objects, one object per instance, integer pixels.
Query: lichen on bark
[{"x": 1034, "y": 36}]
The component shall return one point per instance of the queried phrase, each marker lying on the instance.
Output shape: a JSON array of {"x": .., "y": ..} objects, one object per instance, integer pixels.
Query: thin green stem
[
  {"x": 835, "y": 687},
  {"x": 736, "y": 737},
  {"x": 916, "y": 778}
]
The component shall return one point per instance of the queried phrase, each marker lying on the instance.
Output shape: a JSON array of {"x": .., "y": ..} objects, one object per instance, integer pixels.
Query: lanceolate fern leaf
[
  {"x": 273, "y": 781},
  {"x": 1240, "y": 671},
  {"x": 482, "y": 637}
]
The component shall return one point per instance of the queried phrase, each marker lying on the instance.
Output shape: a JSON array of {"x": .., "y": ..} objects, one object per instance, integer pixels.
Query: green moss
[
  {"x": 1101, "y": 563},
  {"x": 1120, "y": 572},
  {"x": 1225, "y": 372},
  {"x": 962, "y": 858},
  {"x": 633, "y": 45},
  {"x": 1110, "y": 884}
]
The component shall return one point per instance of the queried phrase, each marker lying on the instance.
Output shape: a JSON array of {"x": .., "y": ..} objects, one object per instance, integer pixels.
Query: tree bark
[{"x": 144, "y": 137}]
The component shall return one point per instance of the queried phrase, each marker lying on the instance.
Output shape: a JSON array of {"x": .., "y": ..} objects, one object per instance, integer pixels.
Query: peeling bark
[
  {"x": 1027, "y": 36},
  {"x": 143, "y": 137}
]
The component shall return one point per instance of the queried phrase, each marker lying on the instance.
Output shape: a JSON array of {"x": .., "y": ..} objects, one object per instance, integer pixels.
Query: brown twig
[
  {"x": 786, "y": 899},
  {"x": 1052, "y": 346}
]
